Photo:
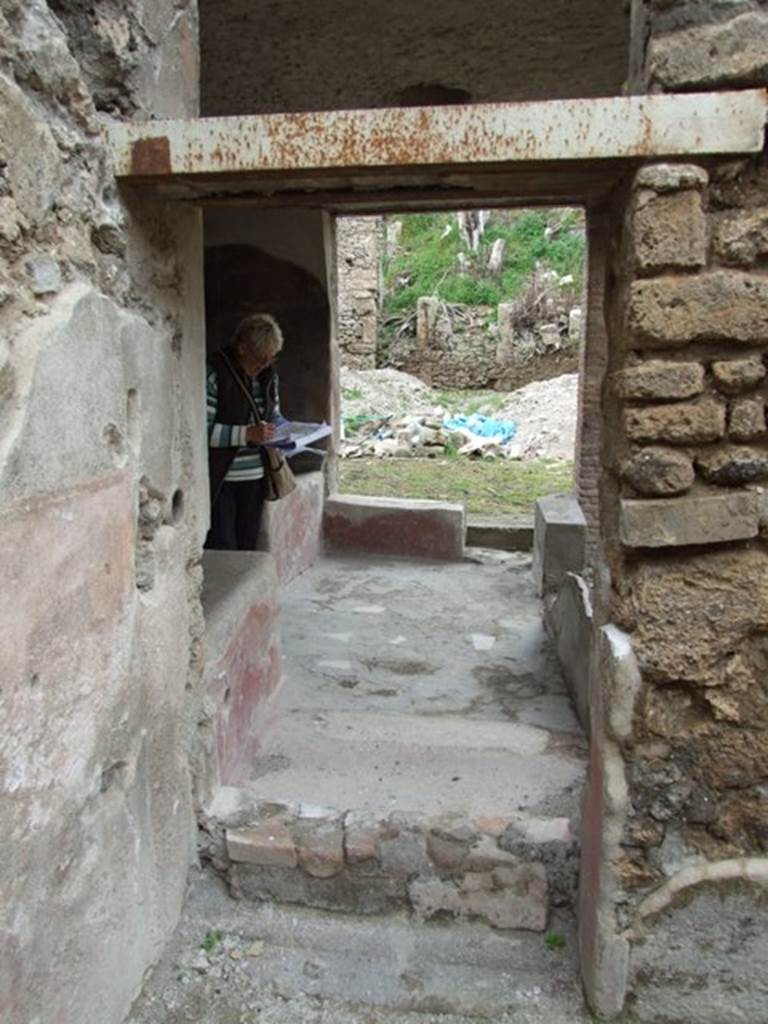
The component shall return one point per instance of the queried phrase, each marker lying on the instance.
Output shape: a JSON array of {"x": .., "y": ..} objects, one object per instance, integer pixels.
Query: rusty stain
[
  {"x": 420, "y": 137},
  {"x": 151, "y": 156}
]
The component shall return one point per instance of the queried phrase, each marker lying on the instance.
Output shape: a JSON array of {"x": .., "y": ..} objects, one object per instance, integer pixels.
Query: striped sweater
[{"x": 247, "y": 464}]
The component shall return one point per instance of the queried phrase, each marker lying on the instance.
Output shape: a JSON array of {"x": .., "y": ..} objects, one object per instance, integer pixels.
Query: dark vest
[{"x": 233, "y": 407}]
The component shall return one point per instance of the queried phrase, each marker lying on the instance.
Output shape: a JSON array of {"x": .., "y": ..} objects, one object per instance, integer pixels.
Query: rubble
[{"x": 390, "y": 414}]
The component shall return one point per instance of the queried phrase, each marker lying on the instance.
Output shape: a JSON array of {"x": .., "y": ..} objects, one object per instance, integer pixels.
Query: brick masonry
[{"x": 507, "y": 872}]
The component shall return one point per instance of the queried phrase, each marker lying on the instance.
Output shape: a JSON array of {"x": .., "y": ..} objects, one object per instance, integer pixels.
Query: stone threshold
[{"x": 499, "y": 533}]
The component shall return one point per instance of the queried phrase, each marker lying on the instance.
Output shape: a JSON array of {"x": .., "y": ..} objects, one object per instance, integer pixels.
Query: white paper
[{"x": 293, "y": 436}]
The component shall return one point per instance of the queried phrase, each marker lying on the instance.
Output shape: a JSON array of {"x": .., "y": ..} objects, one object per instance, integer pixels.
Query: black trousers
[{"x": 236, "y": 516}]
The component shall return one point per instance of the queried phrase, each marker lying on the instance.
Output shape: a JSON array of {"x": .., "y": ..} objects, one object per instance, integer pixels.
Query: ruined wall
[
  {"x": 455, "y": 346},
  {"x": 674, "y": 898},
  {"x": 694, "y": 45},
  {"x": 102, "y": 514},
  {"x": 358, "y": 273},
  {"x": 685, "y": 455}
]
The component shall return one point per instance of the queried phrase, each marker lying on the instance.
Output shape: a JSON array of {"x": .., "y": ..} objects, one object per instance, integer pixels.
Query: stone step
[
  {"x": 509, "y": 872},
  {"x": 427, "y": 764},
  {"x": 499, "y": 533},
  {"x": 291, "y": 963},
  {"x": 438, "y": 815}
]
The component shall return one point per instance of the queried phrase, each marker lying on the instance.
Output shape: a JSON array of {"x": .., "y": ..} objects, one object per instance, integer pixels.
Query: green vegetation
[
  {"x": 431, "y": 253},
  {"x": 554, "y": 940},
  {"x": 211, "y": 941},
  {"x": 354, "y": 421},
  {"x": 351, "y": 394},
  {"x": 469, "y": 402},
  {"x": 500, "y": 486}
]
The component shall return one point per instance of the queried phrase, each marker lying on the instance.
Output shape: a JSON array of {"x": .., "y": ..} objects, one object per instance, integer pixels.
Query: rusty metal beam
[{"x": 629, "y": 127}]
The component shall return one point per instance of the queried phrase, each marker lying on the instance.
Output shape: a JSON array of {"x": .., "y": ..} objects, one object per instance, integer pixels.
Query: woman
[{"x": 241, "y": 381}]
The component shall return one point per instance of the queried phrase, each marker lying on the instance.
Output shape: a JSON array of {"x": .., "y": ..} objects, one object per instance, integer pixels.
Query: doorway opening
[
  {"x": 459, "y": 337},
  {"x": 422, "y": 752}
]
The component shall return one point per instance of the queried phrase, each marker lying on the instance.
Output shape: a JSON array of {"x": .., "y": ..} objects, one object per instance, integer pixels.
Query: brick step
[{"x": 507, "y": 871}]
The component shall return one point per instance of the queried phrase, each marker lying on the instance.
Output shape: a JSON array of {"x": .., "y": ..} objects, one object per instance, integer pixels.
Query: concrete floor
[{"x": 421, "y": 687}]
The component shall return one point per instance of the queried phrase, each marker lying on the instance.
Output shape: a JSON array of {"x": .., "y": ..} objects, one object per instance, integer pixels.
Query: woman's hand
[{"x": 258, "y": 433}]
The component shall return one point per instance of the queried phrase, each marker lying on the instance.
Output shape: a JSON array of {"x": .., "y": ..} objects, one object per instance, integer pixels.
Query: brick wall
[{"x": 593, "y": 361}]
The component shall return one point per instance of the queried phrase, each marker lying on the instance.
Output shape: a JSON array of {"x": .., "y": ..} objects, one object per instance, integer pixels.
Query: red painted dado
[
  {"x": 244, "y": 663},
  {"x": 246, "y": 677},
  {"x": 291, "y": 527},
  {"x": 417, "y": 529}
]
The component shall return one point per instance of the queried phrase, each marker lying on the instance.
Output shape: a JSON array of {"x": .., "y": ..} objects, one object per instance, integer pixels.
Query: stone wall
[
  {"x": 358, "y": 274},
  {"x": 102, "y": 455},
  {"x": 458, "y": 347},
  {"x": 689, "y": 45},
  {"x": 681, "y": 757},
  {"x": 674, "y": 867}
]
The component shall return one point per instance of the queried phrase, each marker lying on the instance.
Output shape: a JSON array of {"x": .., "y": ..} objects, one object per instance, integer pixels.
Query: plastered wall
[
  {"x": 102, "y": 451},
  {"x": 266, "y": 57},
  {"x": 273, "y": 261}
]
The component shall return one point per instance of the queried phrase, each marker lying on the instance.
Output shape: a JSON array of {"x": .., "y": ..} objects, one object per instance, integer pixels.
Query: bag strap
[{"x": 242, "y": 385}]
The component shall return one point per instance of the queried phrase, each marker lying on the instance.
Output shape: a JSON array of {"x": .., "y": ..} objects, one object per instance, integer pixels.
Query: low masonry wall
[
  {"x": 291, "y": 528},
  {"x": 243, "y": 665},
  {"x": 390, "y": 526}
]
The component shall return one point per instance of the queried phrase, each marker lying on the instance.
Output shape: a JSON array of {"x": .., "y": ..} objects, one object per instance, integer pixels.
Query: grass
[
  {"x": 469, "y": 402},
  {"x": 430, "y": 246},
  {"x": 500, "y": 486}
]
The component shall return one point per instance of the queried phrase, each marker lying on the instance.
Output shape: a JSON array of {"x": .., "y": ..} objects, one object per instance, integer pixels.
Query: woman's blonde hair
[{"x": 261, "y": 334}]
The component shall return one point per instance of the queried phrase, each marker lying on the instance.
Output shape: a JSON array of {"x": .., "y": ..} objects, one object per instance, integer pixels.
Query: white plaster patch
[
  {"x": 396, "y": 641},
  {"x": 369, "y": 609},
  {"x": 315, "y": 811},
  {"x": 336, "y": 666},
  {"x": 343, "y": 638},
  {"x": 621, "y": 645},
  {"x": 482, "y": 641}
]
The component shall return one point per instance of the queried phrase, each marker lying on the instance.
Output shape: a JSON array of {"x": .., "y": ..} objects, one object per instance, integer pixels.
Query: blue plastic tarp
[{"x": 483, "y": 426}]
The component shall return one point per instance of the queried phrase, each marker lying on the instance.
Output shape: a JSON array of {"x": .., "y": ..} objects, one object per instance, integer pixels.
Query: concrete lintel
[{"x": 619, "y": 127}]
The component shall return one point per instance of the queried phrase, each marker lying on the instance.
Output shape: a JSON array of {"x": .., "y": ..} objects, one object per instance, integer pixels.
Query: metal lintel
[{"x": 625, "y": 127}]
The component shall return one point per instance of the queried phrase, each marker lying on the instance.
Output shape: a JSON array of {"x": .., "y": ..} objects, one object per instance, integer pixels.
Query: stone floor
[
  {"x": 415, "y": 688},
  {"x": 264, "y": 964},
  {"x": 421, "y": 687}
]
